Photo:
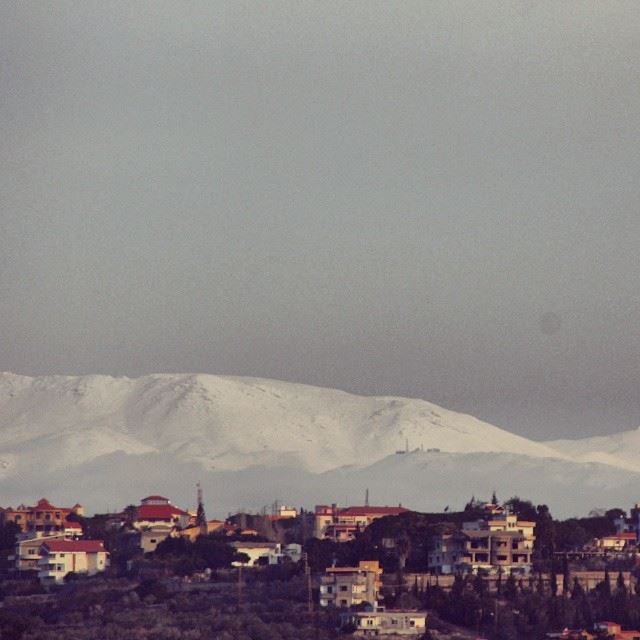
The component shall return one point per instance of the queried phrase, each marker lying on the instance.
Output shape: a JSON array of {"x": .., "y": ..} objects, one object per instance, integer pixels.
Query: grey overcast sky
[{"x": 433, "y": 199}]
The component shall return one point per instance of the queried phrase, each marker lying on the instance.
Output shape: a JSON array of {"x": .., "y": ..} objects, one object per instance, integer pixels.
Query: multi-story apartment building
[
  {"x": 350, "y": 586},
  {"x": 504, "y": 542},
  {"x": 507, "y": 550},
  {"x": 447, "y": 552},
  {"x": 341, "y": 525},
  {"x": 58, "y": 558}
]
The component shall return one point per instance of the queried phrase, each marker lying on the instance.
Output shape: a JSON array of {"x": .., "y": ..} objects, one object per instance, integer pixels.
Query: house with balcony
[
  {"x": 503, "y": 543},
  {"x": 27, "y": 549},
  {"x": 447, "y": 552},
  {"x": 345, "y": 587},
  {"x": 42, "y": 519},
  {"x": 58, "y": 558}
]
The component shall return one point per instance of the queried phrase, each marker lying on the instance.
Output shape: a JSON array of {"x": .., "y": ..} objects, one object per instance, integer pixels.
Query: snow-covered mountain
[
  {"x": 226, "y": 423},
  {"x": 620, "y": 449},
  {"x": 107, "y": 441}
]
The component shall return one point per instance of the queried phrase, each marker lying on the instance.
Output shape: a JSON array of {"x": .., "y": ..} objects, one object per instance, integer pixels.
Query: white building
[
  {"x": 58, "y": 558},
  {"x": 258, "y": 553},
  {"x": 27, "y": 550}
]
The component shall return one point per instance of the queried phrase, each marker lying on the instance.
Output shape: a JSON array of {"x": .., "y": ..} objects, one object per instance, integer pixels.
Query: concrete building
[
  {"x": 385, "y": 623},
  {"x": 504, "y": 542},
  {"x": 58, "y": 558},
  {"x": 151, "y": 537},
  {"x": 258, "y": 553},
  {"x": 42, "y": 518},
  {"x": 342, "y": 525},
  {"x": 349, "y": 586},
  {"x": 619, "y": 542},
  {"x": 488, "y": 550},
  {"x": 447, "y": 552},
  {"x": 27, "y": 550}
]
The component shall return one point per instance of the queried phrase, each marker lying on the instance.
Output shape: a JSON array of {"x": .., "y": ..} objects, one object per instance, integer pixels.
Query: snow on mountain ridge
[
  {"x": 226, "y": 422},
  {"x": 619, "y": 449}
]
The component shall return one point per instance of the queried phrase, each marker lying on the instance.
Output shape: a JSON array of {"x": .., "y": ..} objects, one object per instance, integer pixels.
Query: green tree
[
  {"x": 544, "y": 544},
  {"x": 524, "y": 509},
  {"x": 511, "y": 587}
]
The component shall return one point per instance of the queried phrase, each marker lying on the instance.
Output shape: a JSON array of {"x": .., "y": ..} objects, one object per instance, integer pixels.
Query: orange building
[{"x": 41, "y": 519}]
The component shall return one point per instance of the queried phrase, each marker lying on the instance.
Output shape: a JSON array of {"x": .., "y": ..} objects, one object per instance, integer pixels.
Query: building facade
[
  {"x": 43, "y": 518},
  {"x": 385, "y": 623},
  {"x": 58, "y": 558},
  {"x": 503, "y": 543},
  {"x": 342, "y": 524},
  {"x": 345, "y": 587}
]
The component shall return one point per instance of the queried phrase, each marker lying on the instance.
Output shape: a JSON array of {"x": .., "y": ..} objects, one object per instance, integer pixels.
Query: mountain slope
[
  {"x": 621, "y": 449},
  {"x": 108, "y": 441},
  {"x": 425, "y": 481},
  {"x": 226, "y": 422}
]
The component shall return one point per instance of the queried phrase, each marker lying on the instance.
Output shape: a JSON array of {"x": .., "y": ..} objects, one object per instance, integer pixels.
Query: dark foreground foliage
[{"x": 153, "y": 610}]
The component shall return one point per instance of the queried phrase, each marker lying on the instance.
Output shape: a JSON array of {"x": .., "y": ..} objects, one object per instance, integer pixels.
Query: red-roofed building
[
  {"x": 152, "y": 514},
  {"x": 625, "y": 541},
  {"x": 341, "y": 525},
  {"x": 42, "y": 519},
  {"x": 156, "y": 519},
  {"x": 58, "y": 558},
  {"x": 155, "y": 500}
]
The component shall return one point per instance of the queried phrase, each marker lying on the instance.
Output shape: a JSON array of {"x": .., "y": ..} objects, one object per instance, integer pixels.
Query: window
[
  {"x": 32, "y": 552},
  {"x": 343, "y": 603},
  {"x": 343, "y": 587}
]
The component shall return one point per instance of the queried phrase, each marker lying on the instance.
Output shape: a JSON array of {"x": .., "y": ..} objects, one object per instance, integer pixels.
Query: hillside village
[{"x": 494, "y": 569}]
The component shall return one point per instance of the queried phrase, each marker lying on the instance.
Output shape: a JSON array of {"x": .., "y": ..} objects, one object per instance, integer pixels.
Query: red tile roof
[
  {"x": 69, "y": 546},
  {"x": 72, "y": 525},
  {"x": 154, "y": 498},
  {"x": 43, "y": 504},
  {"x": 159, "y": 512},
  {"x": 372, "y": 511}
]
